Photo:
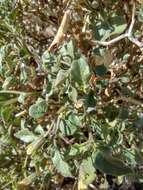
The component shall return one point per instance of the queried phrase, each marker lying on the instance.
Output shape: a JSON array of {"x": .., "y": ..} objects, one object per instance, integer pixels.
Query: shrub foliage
[{"x": 71, "y": 94}]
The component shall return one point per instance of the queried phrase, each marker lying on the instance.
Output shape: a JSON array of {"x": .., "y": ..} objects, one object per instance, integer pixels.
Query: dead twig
[
  {"x": 127, "y": 34},
  {"x": 61, "y": 31},
  {"x": 108, "y": 43}
]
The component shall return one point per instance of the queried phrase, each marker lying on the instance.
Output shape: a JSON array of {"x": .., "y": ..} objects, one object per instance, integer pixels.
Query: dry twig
[
  {"x": 127, "y": 34},
  {"x": 61, "y": 31}
]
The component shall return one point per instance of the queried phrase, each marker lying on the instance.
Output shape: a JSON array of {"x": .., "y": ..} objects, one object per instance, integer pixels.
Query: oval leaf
[
  {"x": 111, "y": 165},
  {"x": 61, "y": 166},
  {"x": 38, "y": 110},
  {"x": 80, "y": 71},
  {"x": 25, "y": 135}
]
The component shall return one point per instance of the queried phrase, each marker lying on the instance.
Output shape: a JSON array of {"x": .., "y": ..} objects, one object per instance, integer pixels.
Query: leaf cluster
[{"x": 70, "y": 118}]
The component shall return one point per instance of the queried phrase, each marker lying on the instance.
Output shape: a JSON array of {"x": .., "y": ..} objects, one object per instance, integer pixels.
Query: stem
[
  {"x": 127, "y": 34},
  {"x": 7, "y": 102},
  {"x": 14, "y": 100},
  {"x": 122, "y": 36},
  {"x": 17, "y": 92}
]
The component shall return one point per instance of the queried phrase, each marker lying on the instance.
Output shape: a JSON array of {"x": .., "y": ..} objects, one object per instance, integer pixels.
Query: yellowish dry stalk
[
  {"x": 65, "y": 2},
  {"x": 61, "y": 31}
]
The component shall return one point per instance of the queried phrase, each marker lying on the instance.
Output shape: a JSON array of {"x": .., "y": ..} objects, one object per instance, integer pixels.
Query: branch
[
  {"x": 127, "y": 34},
  {"x": 108, "y": 43},
  {"x": 61, "y": 31},
  {"x": 132, "y": 20},
  {"x": 137, "y": 42}
]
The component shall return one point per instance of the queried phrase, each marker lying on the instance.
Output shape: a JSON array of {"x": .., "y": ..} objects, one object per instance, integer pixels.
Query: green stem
[
  {"x": 17, "y": 92},
  {"x": 14, "y": 100},
  {"x": 11, "y": 101}
]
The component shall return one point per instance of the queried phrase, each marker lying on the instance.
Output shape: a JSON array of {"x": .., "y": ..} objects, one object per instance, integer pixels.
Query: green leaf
[
  {"x": 111, "y": 112},
  {"x": 70, "y": 125},
  {"x": 80, "y": 71},
  {"x": 68, "y": 50},
  {"x": 60, "y": 78},
  {"x": 139, "y": 123},
  {"x": 31, "y": 148},
  {"x": 67, "y": 128},
  {"x": 88, "y": 170},
  {"x": 39, "y": 129},
  {"x": 124, "y": 113},
  {"x": 111, "y": 165},
  {"x": 25, "y": 135},
  {"x": 100, "y": 70},
  {"x": 90, "y": 101},
  {"x": 118, "y": 23},
  {"x": 105, "y": 29},
  {"x": 130, "y": 156},
  {"x": 78, "y": 149},
  {"x": 23, "y": 75},
  {"x": 116, "y": 137},
  {"x": 140, "y": 13},
  {"x": 61, "y": 166},
  {"x": 74, "y": 150},
  {"x": 38, "y": 110},
  {"x": 6, "y": 113},
  {"x": 21, "y": 98},
  {"x": 47, "y": 58},
  {"x": 73, "y": 94}
]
